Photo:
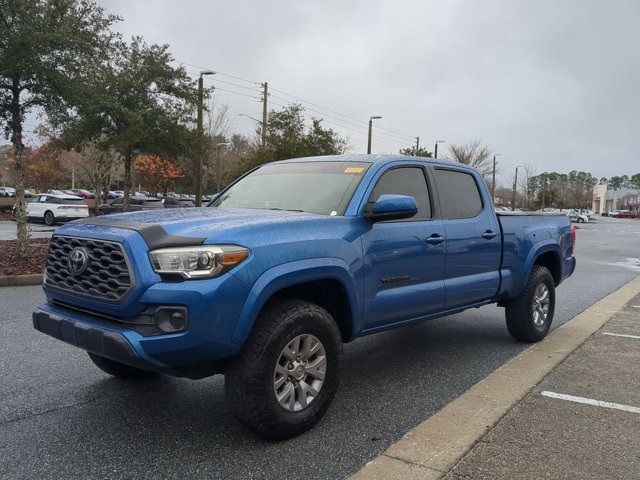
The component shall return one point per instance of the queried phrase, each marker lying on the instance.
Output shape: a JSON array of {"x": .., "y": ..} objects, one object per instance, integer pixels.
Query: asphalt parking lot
[
  {"x": 62, "y": 417},
  {"x": 36, "y": 230}
]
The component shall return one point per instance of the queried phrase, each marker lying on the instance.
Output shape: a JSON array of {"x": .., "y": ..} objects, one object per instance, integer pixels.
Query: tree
[
  {"x": 44, "y": 167},
  {"x": 634, "y": 181},
  {"x": 528, "y": 184},
  {"x": 45, "y": 48},
  {"x": 473, "y": 154},
  {"x": 416, "y": 152},
  {"x": 138, "y": 104},
  {"x": 289, "y": 136},
  {"x": 98, "y": 166},
  {"x": 156, "y": 173}
]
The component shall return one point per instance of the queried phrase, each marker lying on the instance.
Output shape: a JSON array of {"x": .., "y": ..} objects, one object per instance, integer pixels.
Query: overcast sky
[{"x": 555, "y": 83}]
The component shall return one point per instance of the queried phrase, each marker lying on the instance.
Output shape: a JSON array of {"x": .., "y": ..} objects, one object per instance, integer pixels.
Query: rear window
[{"x": 458, "y": 193}]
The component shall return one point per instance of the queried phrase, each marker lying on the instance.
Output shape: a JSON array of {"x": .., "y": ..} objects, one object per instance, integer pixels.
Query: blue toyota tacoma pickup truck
[{"x": 288, "y": 263}]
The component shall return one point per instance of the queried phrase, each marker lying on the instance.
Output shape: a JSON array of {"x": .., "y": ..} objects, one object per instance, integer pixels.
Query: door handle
[
  {"x": 488, "y": 235},
  {"x": 435, "y": 239}
]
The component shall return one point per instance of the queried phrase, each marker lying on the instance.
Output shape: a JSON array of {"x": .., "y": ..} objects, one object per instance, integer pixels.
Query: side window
[
  {"x": 35, "y": 199},
  {"x": 405, "y": 181},
  {"x": 43, "y": 199},
  {"x": 118, "y": 201},
  {"x": 458, "y": 194}
]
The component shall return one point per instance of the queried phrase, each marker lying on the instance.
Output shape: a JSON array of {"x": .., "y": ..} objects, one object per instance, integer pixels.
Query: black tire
[
  {"x": 250, "y": 376},
  {"x": 49, "y": 218},
  {"x": 120, "y": 370},
  {"x": 580, "y": 220},
  {"x": 521, "y": 312}
]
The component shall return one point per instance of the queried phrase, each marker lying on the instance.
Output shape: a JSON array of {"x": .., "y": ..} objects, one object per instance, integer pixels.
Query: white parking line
[
  {"x": 590, "y": 401},
  {"x": 637, "y": 337}
]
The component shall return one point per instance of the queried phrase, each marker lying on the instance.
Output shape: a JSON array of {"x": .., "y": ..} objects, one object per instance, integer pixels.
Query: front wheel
[
  {"x": 529, "y": 315},
  {"x": 49, "y": 218},
  {"x": 287, "y": 373}
]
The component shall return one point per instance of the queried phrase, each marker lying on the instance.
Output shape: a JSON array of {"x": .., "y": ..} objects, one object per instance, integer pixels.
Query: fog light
[{"x": 170, "y": 319}]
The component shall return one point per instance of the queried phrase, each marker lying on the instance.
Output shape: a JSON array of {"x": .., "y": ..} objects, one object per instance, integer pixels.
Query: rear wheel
[
  {"x": 287, "y": 373},
  {"x": 120, "y": 370},
  {"x": 49, "y": 218},
  {"x": 529, "y": 315}
]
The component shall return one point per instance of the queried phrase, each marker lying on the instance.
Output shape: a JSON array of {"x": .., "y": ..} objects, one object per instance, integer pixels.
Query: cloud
[{"x": 546, "y": 82}]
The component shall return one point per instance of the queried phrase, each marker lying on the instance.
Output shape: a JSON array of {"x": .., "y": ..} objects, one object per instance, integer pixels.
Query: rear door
[
  {"x": 404, "y": 259},
  {"x": 473, "y": 244}
]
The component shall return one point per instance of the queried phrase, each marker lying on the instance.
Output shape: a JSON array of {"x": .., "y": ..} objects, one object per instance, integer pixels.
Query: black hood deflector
[{"x": 153, "y": 234}]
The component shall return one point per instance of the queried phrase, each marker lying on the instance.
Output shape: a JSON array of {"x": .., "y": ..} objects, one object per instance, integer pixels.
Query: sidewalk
[
  {"x": 563, "y": 428},
  {"x": 585, "y": 425}
]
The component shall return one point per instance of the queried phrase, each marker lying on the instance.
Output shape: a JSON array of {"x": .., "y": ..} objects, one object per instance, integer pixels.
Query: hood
[{"x": 205, "y": 222}]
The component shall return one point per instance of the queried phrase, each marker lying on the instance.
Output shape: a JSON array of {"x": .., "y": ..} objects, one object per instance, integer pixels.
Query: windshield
[{"x": 315, "y": 187}]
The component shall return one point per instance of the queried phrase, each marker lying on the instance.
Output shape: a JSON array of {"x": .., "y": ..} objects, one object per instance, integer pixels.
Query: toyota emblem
[{"x": 78, "y": 260}]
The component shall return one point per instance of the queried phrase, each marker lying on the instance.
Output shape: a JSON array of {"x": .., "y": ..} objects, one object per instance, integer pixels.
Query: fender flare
[
  {"x": 538, "y": 249},
  {"x": 287, "y": 275}
]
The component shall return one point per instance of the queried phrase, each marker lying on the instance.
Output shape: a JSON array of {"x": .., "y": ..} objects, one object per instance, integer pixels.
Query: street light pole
[
  {"x": 493, "y": 183},
  {"x": 371, "y": 119},
  {"x": 200, "y": 131},
  {"x": 417, "y": 146},
  {"x": 515, "y": 184},
  {"x": 435, "y": 149}
]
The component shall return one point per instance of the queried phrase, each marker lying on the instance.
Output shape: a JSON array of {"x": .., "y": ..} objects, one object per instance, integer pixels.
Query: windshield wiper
[{"x": 286, "y": 210}]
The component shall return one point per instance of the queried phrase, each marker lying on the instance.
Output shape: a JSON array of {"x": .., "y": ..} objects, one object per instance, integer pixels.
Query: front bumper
[{"x": 106, "y": 343}]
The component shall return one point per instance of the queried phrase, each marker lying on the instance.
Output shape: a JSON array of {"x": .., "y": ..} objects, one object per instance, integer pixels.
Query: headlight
[{"x": 197, "y": 262}]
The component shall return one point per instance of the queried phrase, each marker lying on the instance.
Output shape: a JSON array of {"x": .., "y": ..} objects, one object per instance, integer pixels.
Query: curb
[
  {"x": 21, "y": 280},
  {"x": 432, "y": 448}
]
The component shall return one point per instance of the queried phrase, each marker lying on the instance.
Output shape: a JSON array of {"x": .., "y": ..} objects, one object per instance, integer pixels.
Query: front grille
[{"x": 105, "y": 276}]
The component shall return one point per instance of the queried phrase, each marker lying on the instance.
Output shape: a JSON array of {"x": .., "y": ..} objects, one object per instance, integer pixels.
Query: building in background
[{"x": 607, "y": 200}]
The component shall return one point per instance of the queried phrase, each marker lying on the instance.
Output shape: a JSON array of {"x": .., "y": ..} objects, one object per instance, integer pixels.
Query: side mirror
[{"x": 392, "y": 207}]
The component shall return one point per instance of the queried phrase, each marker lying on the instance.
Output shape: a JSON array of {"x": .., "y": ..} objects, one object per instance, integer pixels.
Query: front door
[{"x": 404, "y": 259}]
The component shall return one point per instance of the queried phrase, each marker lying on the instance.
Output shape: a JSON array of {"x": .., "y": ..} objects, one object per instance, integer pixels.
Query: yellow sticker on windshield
[{"x": 354, "y": 170}]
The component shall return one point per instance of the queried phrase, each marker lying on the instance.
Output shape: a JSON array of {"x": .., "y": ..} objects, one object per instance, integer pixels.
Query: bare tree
[
  {"x": 98, "y": 166},
  {"x": 216, "y": 121},
  {"x": 527, "y": 183},
  {"x": 217, "y": 127},
  {"x": 473, "y": 154}
]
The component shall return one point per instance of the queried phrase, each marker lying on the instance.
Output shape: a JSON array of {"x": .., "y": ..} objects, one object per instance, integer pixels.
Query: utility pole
[
  {"x": 515, "y": 185},
  {"x": 265, "y": 95},
  {"x": 200, "y": 131},
  {"x": 417, "y": 145},
  {"x": 371, "y": 119},
  {"x": 493, "y": 183},
  {"x": 435, "y": 149}
]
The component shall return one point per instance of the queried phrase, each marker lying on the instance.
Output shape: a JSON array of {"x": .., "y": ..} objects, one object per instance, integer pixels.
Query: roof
[{"x": 367, "y": 158}]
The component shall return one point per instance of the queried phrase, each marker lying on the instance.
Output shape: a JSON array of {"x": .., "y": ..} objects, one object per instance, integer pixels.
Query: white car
[
  {"x": 576, "y": 216},
  {"x": 52, "y": 208}
]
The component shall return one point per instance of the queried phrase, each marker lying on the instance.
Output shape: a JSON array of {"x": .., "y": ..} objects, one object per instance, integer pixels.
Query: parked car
[
  {"x": 623, "y": 214},
  {"x": 136, "y": 203},
  {"x": 170, "y": 202},
  {"x": 289, "y": 262},
  {"x": 84, "y": 193},
  {"x": 54, "y": 208},
  {"x": 576, "y": 216},
  {"x": 7, "y": 192}
]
